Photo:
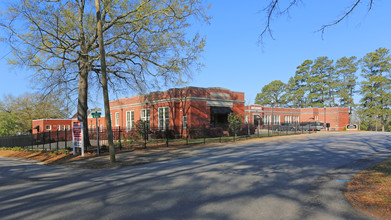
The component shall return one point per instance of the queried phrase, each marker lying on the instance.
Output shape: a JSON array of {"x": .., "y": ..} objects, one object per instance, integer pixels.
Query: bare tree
[
  {"x": 274, "y": 10},
  {"x": 145, "y": 43}
]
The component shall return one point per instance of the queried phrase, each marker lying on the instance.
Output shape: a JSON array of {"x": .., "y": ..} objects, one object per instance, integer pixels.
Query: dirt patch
[
  {"x": 370, "y": 190},
  {"x": 46, "y": 157}
]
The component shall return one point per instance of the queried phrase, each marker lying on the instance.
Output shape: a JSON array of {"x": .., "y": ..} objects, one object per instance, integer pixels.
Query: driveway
[{"x": 291, "y": 178}]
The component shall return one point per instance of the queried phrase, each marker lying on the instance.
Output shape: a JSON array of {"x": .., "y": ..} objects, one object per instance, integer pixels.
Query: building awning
[{"x": 220, "y": 110}]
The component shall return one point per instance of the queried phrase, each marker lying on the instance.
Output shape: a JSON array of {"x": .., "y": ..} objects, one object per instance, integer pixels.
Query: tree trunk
[
  {"x": 104, "y": 82},
  {"x": 82, "y": 105}
]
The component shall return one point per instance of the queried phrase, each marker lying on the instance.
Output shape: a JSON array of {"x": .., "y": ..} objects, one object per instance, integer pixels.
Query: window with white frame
[
  {"x": 59, "y": 127},
  {"x": 48, "y": 127},
  {"x": 89, "y": 127},
  {"x": 163, "y": 117},
  {"x": 276, "y": 119},
  {"x": 246, "y": 119},
  {"x": 93, "y": 127},
  {"x": 267, "y": 119},
  {"x": 287, "y": 119},
  {"x": 117, "y": 119},
  {"x": 296, "y": 119},
  {"x": 101, "y": 127},
  {"x": 129, "y": 120},
  {"x": 316, "y": 118},
  {"x": 69, "y": 127},
  {"x": 63, "y": 127},
  {"x": 146, "y": 115},
  {"x": 184, "y": 122}
]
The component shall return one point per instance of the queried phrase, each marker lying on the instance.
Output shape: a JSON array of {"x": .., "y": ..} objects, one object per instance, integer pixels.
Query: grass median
[{"x": 370, "y": 190}]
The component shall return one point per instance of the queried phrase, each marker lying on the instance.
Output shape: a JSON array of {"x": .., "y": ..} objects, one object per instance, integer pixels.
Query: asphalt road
[{"x": 298, "y": 178}]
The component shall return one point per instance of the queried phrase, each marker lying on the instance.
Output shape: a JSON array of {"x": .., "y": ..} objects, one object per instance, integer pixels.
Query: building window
[
  {"x": 69, "y": 127},
  {"x": 163, "y": 116},
  {"x": 295, "y": 119},
  {"x": 63, "y": 127},
  {"x": 267, "y": 119},
  {"x": 89, "y": 127},
  {"x": 48, "y": 127},
  {"x": 146, "y": 116},
  {"x": 129, "y": 120},
  {"x": 288, "y": 119},
  {"x": 58, "y": 127},
  {"x": 101, "y": 127},
  {"x": 246, "y": 119},
  {"x": 117, "y": 119},
  {"x": 184, "y": 122},
  {"x": 276, "y": 119},
  {"x": 316, "y": 118},
  {"x": 93, "y": 127}
]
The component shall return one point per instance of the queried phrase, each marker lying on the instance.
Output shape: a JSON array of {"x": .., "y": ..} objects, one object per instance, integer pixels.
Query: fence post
[
  {"x": 166, "y": 136},
  {"x": 66, "y": 139},
  {"x": 268, "y": 131},
  {"x": 309, "y": 132},
  {"x": 57, "y": 139},
  {"x": 119, "y": 138},
  {"x": 145, "y": 133},
  {"x": 36, "y": 140},
  {"x": 50, "y": 143},
  {"x": 43, "y": 139},
  {"x": 32, "y": 142}
]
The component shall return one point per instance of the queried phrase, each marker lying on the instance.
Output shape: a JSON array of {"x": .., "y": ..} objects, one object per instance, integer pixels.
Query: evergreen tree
[
  {"x": 272, "y": 93},
  {"x": 375, "y": 88},
  {"x": 298, "y": 87},
  {"x": 322, "y": 83},
  {"x": 345, "y": 70}
]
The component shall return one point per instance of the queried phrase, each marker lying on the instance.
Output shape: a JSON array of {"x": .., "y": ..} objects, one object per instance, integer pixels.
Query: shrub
[
  {"x": 235, "y": 123},
  {"x": 17, "y": 149},
  {"x": 64, "y": 151},
  {"x": 104, "y": 148},
  {"x": 55, "y": 152},
  {"x": 163, "y": 134}
]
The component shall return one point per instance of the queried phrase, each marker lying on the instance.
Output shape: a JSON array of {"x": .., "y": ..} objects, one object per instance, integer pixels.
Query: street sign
[{"x": 96, "y": 114}]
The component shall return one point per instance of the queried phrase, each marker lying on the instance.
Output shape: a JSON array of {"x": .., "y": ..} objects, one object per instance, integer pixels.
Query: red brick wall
[
  {"x": 337, "y": 117},
  {"x": 53, "y": 123},
  {"x": 191, "y": 101}
]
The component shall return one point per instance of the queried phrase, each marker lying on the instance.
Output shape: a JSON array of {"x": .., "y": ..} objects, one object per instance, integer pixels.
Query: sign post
[
  {"x": 77, "y": 134},
  {"x": 96, "y": 115}
]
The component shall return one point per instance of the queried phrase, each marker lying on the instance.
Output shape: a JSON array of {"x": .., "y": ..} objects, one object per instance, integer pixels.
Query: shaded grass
[{"x": 370, "y": 190}]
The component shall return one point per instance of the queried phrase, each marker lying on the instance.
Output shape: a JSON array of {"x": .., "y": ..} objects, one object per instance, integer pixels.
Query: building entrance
[{"x": 219, "y": 116}]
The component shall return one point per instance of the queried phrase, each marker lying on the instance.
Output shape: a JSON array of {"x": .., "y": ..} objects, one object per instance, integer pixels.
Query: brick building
[
  {"x": 178, "y": 108},
  {"x": 175, "y": 109},
  {"x": 46, "y": 125},
  {"x": 336, "y": 116}
]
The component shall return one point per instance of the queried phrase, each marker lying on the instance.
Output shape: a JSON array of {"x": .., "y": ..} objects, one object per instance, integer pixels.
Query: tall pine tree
[
  {"x": 375, "y": 88},
  {"x": 322, "y": 83},
  {"x": 345, "y": 70}
]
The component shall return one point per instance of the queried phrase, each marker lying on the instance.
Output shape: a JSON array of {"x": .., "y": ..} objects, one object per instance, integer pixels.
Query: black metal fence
[{"x": 153, "y": 136}]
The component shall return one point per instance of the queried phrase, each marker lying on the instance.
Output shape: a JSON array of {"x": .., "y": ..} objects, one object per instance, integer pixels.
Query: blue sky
[{"x": 233, "y": 58}]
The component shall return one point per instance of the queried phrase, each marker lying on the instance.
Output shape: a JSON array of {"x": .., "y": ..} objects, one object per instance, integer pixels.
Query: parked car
[
  {"x": 285, "y": 127},
  {"x": 312, "y": 126}
]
